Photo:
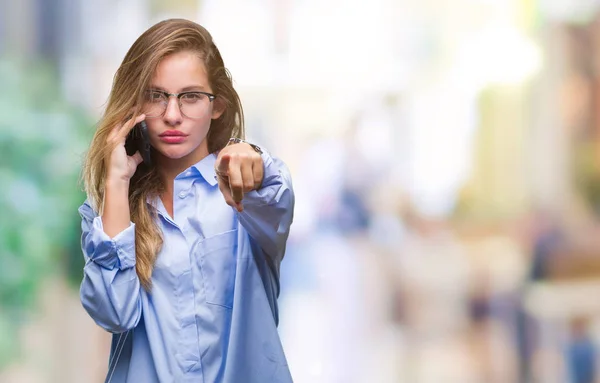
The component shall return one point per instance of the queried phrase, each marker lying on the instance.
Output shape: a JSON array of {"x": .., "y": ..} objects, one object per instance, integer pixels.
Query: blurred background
[{"x": 445, "y": 157}]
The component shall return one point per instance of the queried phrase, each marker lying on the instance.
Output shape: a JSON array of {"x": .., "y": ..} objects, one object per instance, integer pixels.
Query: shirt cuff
[
  {"x": 110, "y": 253},
  {"x": 273, "y": 181}
]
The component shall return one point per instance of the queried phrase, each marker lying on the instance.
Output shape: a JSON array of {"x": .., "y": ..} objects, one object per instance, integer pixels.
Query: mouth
[
  {"x": 172, "y": 137},
  {"x": 173, "y": 133}
]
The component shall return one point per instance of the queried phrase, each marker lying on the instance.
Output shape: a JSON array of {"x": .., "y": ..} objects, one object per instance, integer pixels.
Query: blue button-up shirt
[{"x": 211, "y": 315}]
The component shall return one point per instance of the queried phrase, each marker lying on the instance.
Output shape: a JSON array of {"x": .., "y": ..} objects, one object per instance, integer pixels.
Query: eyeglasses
[{"x": 191, "y": 104}]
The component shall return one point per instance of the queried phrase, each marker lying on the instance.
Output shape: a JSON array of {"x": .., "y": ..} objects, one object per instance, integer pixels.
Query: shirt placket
[{"x": 189, "y": 355}]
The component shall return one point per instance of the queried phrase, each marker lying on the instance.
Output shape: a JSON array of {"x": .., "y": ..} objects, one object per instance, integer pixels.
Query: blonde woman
[{"x": 183, "y": 250}]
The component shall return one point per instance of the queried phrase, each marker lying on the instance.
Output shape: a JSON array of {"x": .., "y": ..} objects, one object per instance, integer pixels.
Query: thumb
[
  {"x": 137, "y": 157},
  {"x": 223, "y": 165}
]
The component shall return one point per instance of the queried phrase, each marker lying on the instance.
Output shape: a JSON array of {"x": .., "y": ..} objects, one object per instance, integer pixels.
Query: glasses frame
[{"x": 211, "y": 98}]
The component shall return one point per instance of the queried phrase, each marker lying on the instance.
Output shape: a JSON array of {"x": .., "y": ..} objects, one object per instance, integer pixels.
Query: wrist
[
  {"x": 117, "y": 182},
  {"x": 235, "y": 140}
]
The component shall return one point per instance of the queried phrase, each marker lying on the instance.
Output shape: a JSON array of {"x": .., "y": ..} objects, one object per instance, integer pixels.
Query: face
[{"x": 176, "y": 137}]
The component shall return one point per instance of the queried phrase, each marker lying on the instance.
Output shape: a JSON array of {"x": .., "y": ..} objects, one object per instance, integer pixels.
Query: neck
[{"x": 169, "y": 168}]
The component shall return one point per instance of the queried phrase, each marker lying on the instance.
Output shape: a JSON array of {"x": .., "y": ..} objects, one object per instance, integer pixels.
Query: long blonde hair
[{"x": 131, "y": 80}]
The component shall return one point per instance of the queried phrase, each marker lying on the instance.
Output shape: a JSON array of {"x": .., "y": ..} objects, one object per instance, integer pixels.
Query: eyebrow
[{"x": 186, "y": 89}]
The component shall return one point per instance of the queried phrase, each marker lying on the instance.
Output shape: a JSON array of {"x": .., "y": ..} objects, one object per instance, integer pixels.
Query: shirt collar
[{"x": 206, "y": 168}]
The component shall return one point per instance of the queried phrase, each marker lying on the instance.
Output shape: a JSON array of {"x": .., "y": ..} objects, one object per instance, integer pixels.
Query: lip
[
  {"x": 172, "y": 137},
  {"x": 173, "y": 133}
]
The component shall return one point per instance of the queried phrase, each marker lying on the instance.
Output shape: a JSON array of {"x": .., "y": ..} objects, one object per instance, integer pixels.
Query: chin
[{"x": 174, "y": 153}]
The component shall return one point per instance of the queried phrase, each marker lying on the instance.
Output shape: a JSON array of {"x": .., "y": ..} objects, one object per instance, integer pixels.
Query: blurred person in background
[
  {"x": 187, "y": 284},
  {"x": 581, "y": 352}
]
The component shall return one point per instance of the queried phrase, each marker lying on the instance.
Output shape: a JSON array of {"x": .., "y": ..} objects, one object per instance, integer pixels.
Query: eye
[
  {"x": 155, "y": 96},
  {"x": 192, "y": 97}
]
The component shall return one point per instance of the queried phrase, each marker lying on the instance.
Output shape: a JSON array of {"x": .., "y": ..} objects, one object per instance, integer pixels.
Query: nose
[{"x": 173, "y": 114}]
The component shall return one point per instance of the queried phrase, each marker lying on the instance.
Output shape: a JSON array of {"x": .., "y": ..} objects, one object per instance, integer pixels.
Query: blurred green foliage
[{"x": 42, "y": 142}]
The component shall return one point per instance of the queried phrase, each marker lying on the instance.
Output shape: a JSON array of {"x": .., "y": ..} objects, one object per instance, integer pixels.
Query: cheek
[
  {"x": 202, "y": 125},
  {"x": 207, "y": 117},
  {"x": 154, "y": 131},
  {"x": 153, "y": 126}
]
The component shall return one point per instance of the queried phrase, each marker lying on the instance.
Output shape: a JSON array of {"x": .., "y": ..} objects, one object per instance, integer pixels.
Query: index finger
[
  {"x": 130, "y": 124},
  {"x": 223, "y": 164}
]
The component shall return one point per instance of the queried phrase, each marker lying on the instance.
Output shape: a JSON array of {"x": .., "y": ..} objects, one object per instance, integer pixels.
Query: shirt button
[{"x": 183, "y": 194}]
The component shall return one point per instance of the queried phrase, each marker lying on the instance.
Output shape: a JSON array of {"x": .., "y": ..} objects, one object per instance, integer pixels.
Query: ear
[{"x": 218, "y": 108}]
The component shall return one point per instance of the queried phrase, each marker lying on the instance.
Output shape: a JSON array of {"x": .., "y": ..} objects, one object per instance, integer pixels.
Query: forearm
[
  {"x": 110, "y": 291},
  {"x": 111, "y": 297},
  {"x": 116, "y": 216},
  {"x": 268, "y": 212}
]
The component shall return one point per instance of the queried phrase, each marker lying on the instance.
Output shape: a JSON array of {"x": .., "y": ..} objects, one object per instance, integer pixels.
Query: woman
[{"x": 187, "y": 284}]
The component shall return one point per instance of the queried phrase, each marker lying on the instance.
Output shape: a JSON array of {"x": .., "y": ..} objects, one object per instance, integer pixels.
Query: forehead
[{"x": 180, "y": 70}]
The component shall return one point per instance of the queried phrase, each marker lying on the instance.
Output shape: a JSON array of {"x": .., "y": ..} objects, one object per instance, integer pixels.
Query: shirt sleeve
[
  {"x": 110, "y": 290},
  {"x": 268, "y": 212}
]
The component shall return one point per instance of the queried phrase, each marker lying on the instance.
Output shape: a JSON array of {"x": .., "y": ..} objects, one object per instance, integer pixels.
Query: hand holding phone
[
  {"x": 139, "y": 140},
  {"x": 125, "y": 157}
]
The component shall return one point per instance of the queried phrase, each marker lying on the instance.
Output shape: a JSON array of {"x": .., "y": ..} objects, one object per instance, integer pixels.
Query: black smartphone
[{"x": 139, "y": 140}]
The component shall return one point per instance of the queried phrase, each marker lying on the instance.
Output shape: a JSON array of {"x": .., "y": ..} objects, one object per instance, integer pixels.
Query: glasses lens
[
  {"x": 194, "y": 104},
  {"x": 155, "y": 104}
]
